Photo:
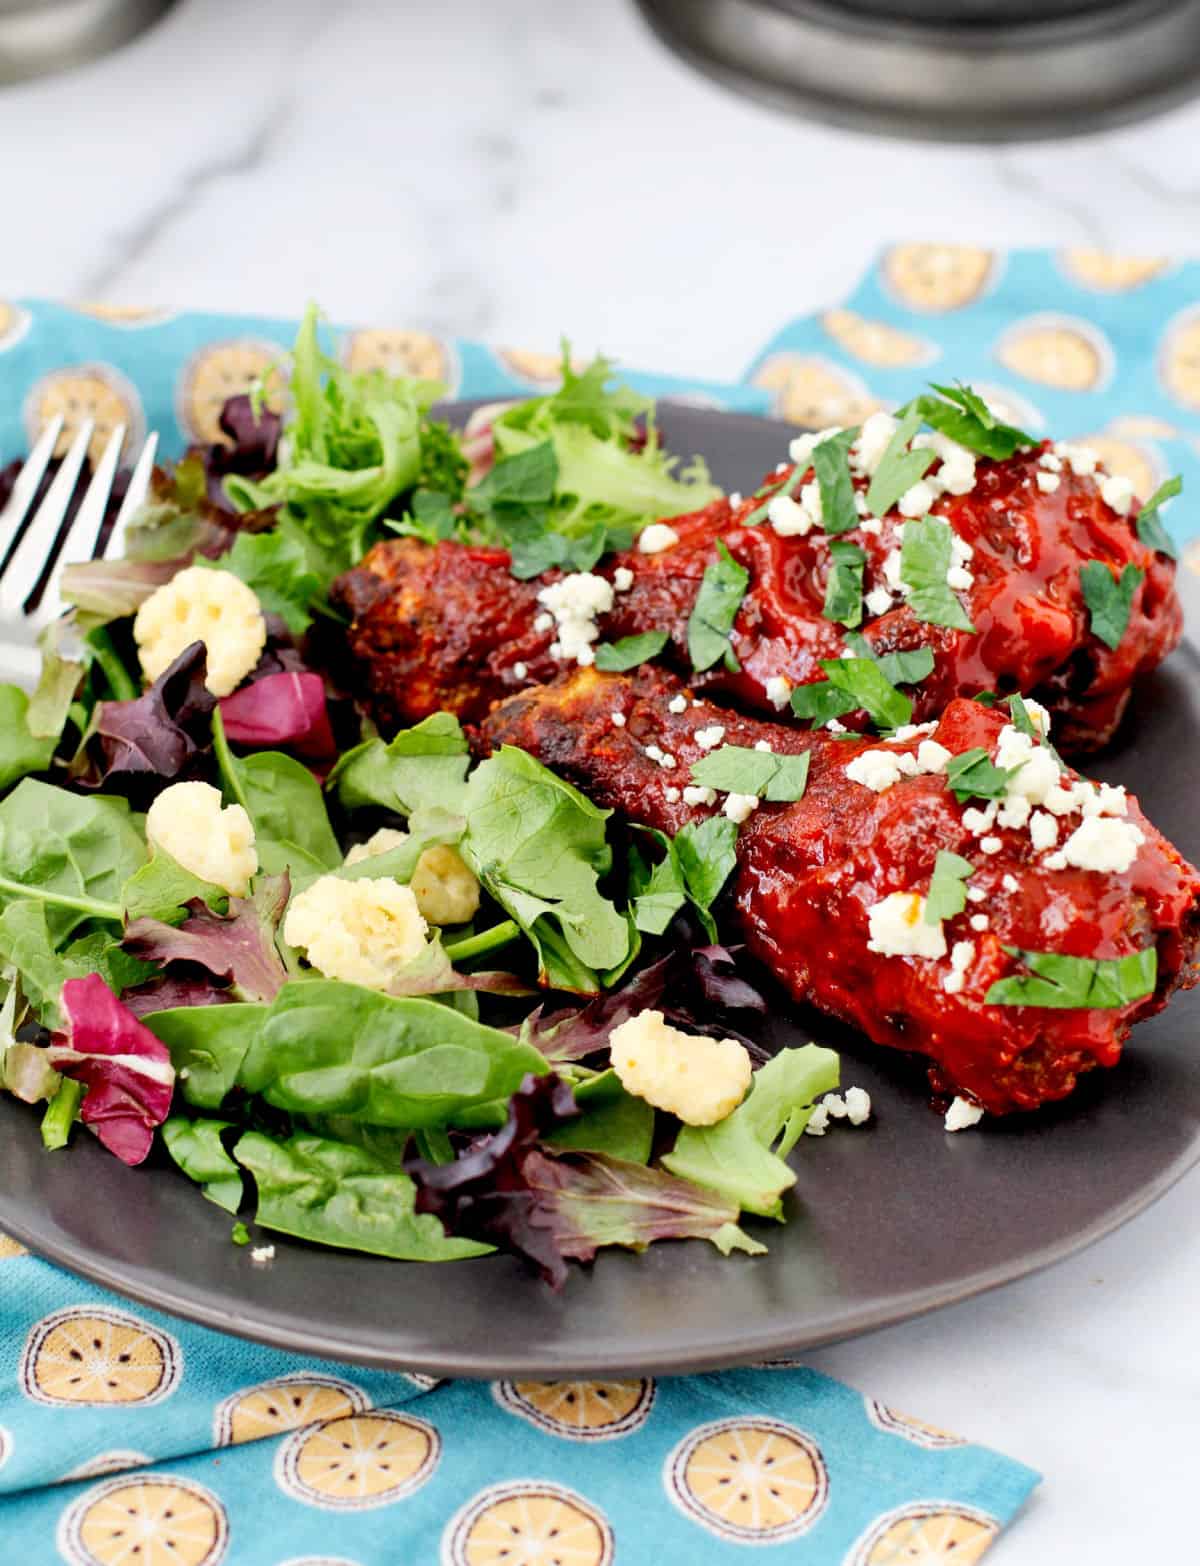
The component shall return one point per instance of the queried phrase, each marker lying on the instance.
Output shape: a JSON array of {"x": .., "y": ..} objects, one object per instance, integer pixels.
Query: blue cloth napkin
[{"x": 131, "y": 1439}]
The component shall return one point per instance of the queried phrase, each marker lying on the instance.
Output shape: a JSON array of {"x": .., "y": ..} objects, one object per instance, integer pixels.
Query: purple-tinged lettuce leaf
[
  {"x": 250, "y": 447},
  {"x": 160, "y": 736},
  {"x": 281, "y": 710},
  {"x": 126, "y": 1071},
  {"x": 716, "y": 973},
  {"x": 112, "y": 589},
  {"x": 181, "y": 988},
  {"x": 238, "y": 950}
]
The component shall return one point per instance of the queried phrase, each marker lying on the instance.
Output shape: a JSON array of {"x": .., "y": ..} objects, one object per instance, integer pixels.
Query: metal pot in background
[
  {"x": 39, "y": 36},
  {"x": 961, "y": 70}
]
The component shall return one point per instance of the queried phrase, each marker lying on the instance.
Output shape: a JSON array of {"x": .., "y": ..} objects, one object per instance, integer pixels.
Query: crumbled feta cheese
[
  {"x": 872, "y": 525},
  {"x": 695, "y": 795},
  {"x": 520, "y": 671},
  {"x": 1116, "y": 491},
  {"x": 976, "y": 820},
  {"x": 671, "y": 795},
  {"x": 622, "y": 579},
  {"x": 735, "y": 499},
  {"x": 574, "y": 601},
  {"x": 957, "y": 473},
  {"x": 788, "y": 517},
  {"x": 738, "y": 807},
  {"x": 835, "y": 1104},
  {"x": 908, "y": 764},
  {"x": 667, "y": 761},
  {"x": 654, "y": 752},
  {"x": 656, "y": 538},
  {"x": 911, "y": 731},
  {"x": 215, "y": 842},
  {"x": 878, "y": 601},
  {"x": 932, "y": 757},
  {"x": 701, "y": 1080},
  {"x": 962, "y": 1114},
  {"x": 543, "y": 622},
  {"x": 990, "y": 845},
  {"x": 836, "y": 726},
  {"x": 1103, "y": 843},
  {"x": 976, "y": 894},
  {"x": 1112, "y": 801},
  {"x": 979, "y": 922},
  {"x": 201, "y": 605},
  {"x": 860, "y": 502},
  {"x": 1050, "y": 461},
  {"x": 1043, "y": 831},
  {"x": 1038, "y": 716},
  {"x": 1060, "y": 801},
  {"x": 1057, "y": 861},
  {"x": 874, "y": 438},
  {"x": 801, "y": 449},
  {"x": 711, "y": 737},
  {"x": 1048, "y": 482},
  {"x": 858, "y": 1106},
  {"x": 677, "y": 704},
  {"x": 618, "y": 719},
  {"x": 818, "y": 1121},
  {"x": 1014, "y": 812},
  {"x": 898, "y": 928},
  {"x": 1082, "y": 460},
  {"x": 364, "y": 932},
  {"x": 1038, "y": 772},
  {"x": 778, "y": 690},
  {"x": 916, "y": 501},
  {"x": 962, "y": 955},
  {"x": 875, "y": 769},
  {"x": 891, "y": 572},
  {"x": 810, "y": 500},
  {"x": 262, "y": 1253},
  {"x": 763, "y": 745},
  {"x": 959, "y": 578},
  {"x": 1010, "y": 883}
]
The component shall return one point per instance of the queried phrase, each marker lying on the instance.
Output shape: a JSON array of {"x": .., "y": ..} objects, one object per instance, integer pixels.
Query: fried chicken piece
[
  {"x": 810, "y": 873},
  {"x": 446, "y": 626}
]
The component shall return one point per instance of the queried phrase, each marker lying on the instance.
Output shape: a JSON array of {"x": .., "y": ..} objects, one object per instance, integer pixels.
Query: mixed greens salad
[{"x": 364, "y": 992}]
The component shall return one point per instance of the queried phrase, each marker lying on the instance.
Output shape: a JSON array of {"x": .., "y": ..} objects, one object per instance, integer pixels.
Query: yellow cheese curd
[
  {"x": 445, "y": 889},
  {"x": 199, "y": 605},
  {"x": 214, "y": 842},
  {"x": 363, "y": 932},
  {"x": 700, "y": 1080}
]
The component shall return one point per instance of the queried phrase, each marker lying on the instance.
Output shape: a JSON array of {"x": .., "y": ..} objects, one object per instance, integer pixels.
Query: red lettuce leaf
[
  {"x": 238, "y": 949},
  {"x": 285, "y": 709},
  {"x": 160, "y": 736},
  {"x": 126, "y": 1071},
  {"x": 184, "y": 987},
  {"x": 250, "y": 448}
]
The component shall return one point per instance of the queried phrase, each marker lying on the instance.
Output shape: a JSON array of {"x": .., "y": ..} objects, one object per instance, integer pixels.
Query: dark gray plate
[{"x": 888, "y": 1221}]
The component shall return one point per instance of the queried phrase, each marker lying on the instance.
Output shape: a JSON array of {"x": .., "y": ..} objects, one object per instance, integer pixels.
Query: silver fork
[{"x": 34, "y": 552}]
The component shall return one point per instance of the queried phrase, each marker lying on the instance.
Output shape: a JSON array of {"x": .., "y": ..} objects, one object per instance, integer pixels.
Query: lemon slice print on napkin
[
  {"x": 1111, "y": 274},
  {"x": 579, "y": 1410},
  {"x": 814, "y": 392},
  {"x": 10, "y": 1247},
  {"x": 1179, "y": 361},
  {"x": 919, "y": 1431},
  {"x": 116, "y": 1461},
  {"x": 131, "y": 316},
  {"x": 220, "y": 371},
  {"x": 528, "y": 1524},
  {"x": 936, "y": 279},
  {"x": 14, "y": 323},
  {"x": 1061, "y": 351},
  {"x": 877, "y": 342},
  {"x": 286, "y": 1403},
  {"x": 537, "y": 369},
  {"x": 86, "y": 391},
  {"x": 97, "y": 1356},
  {"x": 757, "y": 1481},
  {"x": 359, "y": 1461},
  {"x": 397, "y": 352},
  {"x": 1140, "y": 461},
  {"x": 926, "y": 1533},
  {"x": 173, "y": 1522}
]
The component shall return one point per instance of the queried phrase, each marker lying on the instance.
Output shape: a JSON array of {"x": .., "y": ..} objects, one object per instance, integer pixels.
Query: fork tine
[
  {"x": 139, "y": 485},
  {"x": 24, "y": 569},
  {"x": 27, "y": 482},
  {"x": 80, "y": 542}
]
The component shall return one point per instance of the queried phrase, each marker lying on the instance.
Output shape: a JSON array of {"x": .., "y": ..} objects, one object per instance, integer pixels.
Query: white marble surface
[{"x": 514, "y": 170}]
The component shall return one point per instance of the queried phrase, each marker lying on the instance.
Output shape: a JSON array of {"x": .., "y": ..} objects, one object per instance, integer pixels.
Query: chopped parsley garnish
[
  {"x": 736, "y": 769},
  {"x": 963, "y": 415},
  {"x": 973, "y": 775},
  {"x": 1069, "y": 982},
  {"x": 925, "y": 557},
  {"x": 989, "y": 699},
  {"x": 1150, "y": 527},
  {"x": 850, "y": 684},
  {"x": 1025, "y": 724},
  {"x": 629, "y": 651},
  {"x": 1109, "y": 598},
  {"x": 831, "y": 465},
  {"x": 899, "y": 469},
  {"x": 717, "y": 603},
  {"x": 787, "y": 485},
  {"x": 947, "y": 890},
  {"x": 844, "y": 587}
]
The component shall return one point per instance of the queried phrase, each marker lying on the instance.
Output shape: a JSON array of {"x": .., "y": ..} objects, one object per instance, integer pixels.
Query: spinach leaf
[
  {"x": 1068, "y": 982},
  {"x": 926, "y": 555},
  {"x": 284, "y": 801},
  {"x": 328, "y": 1048},
  {"x": 73, "y": 852},
  {"x": 742, "y": 1156},
  {"x": 1150, "y": 527},
  {"x": 611, "y": 1121},
  {"x": 707, "y": 853},
  {"x": 162, "y": 888},
  {"x": 947, "y": 888},
  {"x": 20, "y": 752},
  {"x": 616, "y": 657},
  {"x": 722, "y": 589},
  {"x": 1109, "y": 599},
  {"x": 207, "y": 1046},
  {"x": 26, "y": 944},
  {"x": 196, "y": 1147},
  {"x": 656, "y": 892},
  {"x": 737, "y": 769},
  {"x": 696, "y": 864},
  {"x": 423, "y": 768},
  {"x": 831, "y": 465},
  {"x": 334, "y": 1194},
  {"x": 538, "y": 846}
]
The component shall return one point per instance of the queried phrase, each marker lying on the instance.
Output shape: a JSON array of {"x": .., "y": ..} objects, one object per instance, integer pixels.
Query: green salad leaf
[
  {"x": 1109, "y": 598},
  {"x": 947, "y": 888},
  {"x": 611, "y": 1121},
  {"x": 197, "y": 1148},
  {"x": 27, "y": 944},
  {"x": 1150, "y": 526},
  {"x": 161, "y": 889},
  {"x": 539, "y": 848},
  {"x": 722, "y": 588},
  {"x": 285, "y": 804},
  {"x": 737, "y": 769},
  {"x": 422, "y": 769},
  {"x": 1068, "y": 982},
  {"x": 695, "y": 865},
  {"x": 208, "y": 1045},
  {"x": 926, "y": 555},
  {"x": 275, "y": 565},
  {"x": 907, "y": 667},
  {"x": 20, "y": 751},
  {"x": 742, "y": 1156}
]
